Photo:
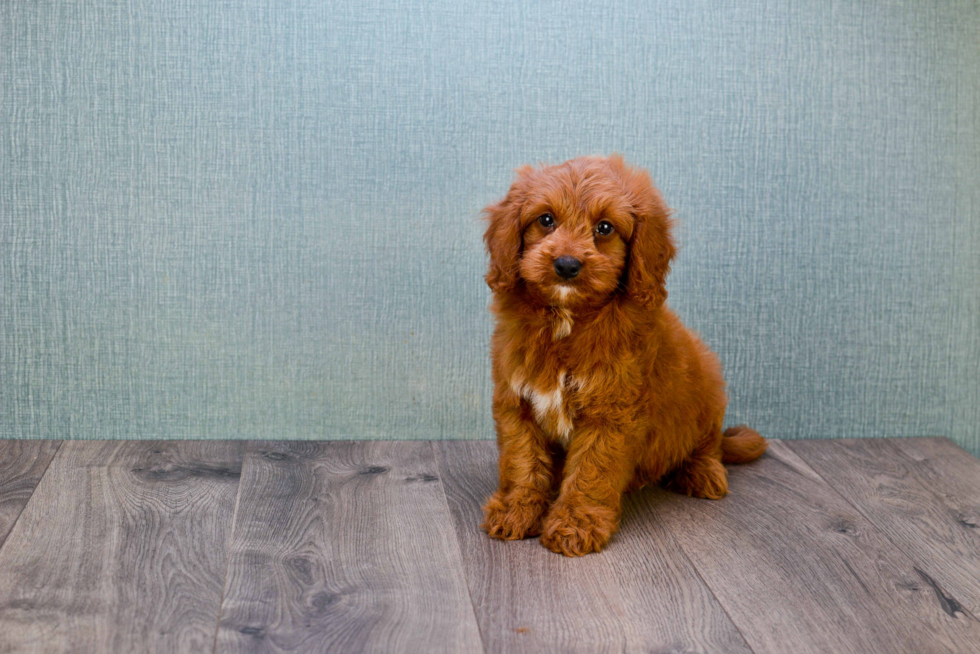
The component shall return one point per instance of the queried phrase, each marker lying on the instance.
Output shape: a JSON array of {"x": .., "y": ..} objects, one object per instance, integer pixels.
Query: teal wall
[{"x": 260, "y": 219}]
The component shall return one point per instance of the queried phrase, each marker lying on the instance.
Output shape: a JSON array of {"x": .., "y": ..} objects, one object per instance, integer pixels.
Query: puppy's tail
[{"x": 741, "y": 444}]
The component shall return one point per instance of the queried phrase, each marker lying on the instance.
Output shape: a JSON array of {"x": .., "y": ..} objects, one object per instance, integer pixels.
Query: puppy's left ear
[
  {"x": 504, "y": 238},
  {"x": 651, "y": 245}
]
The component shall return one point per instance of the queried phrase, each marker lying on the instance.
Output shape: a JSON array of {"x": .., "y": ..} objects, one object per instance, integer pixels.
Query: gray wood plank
[
  {"x": 950, "y": 471},
  {"x": 800, "y": 570},
  {"x": 641, "y": 594},
  {"x": 122, "y": 548},
  {"x": 344, "y": 547},
  {"x": 22, "y": 462},
  {"x": 924, "y": 504}
]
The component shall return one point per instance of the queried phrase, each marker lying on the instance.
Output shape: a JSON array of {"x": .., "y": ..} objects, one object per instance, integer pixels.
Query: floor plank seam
[
  {"x": 13, "y": 525},
  {"x": 436, "y": 458},
  {"x": 231, "y": 540},
  {"x": 704, "y": 581}
]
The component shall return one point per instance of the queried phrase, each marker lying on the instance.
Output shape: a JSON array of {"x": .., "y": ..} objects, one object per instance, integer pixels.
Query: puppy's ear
[
  {"x": 651, "y": 245},
  {"x": 504, "y": 238}
]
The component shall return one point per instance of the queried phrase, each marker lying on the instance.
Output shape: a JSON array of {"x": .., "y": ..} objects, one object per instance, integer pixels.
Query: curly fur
[{"x": 598, "y": 387}]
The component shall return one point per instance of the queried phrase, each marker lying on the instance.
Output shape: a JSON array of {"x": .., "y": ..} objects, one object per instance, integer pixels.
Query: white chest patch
[
  {"x": 550, "y": 410},
  {"x": 562, "y": 322}
]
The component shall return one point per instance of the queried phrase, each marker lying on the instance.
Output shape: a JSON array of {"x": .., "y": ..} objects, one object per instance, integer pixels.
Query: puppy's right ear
[
  {"x": 504, "y": 237},
  {"x": 651, "y": 246}
]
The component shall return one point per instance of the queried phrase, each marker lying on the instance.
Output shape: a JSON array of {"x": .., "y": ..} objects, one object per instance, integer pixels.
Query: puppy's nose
[{"x": 567, "y": 266}]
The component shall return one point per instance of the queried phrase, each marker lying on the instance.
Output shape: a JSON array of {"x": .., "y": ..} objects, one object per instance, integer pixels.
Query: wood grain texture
[
  {"x": 344, "y": 547},
  {"x": 641, "y": 594},
  {"x": 924, "y": 495},
  {"x": 122, "y": 548},
  {"x": 799, "y": 569},
  {"x": 948, "y": 470},
  {"x": 22, "y": 462}
]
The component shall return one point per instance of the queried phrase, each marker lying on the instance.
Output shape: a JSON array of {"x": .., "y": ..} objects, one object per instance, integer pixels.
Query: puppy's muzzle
[{"x": 567, "y": 267}]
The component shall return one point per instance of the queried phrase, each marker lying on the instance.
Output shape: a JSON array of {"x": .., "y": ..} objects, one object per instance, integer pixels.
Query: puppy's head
[{"x": 576, "y": 234}]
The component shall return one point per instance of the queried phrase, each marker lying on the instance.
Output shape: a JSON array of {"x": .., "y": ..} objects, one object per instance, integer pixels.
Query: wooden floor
[{"x": 190, "y": 546}]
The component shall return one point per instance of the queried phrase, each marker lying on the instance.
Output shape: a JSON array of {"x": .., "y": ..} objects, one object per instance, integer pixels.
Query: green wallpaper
[{"x": 260, "y": 219}]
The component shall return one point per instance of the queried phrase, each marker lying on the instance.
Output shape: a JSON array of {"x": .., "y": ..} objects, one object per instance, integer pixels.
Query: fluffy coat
[{"x": 598, "y": 386}]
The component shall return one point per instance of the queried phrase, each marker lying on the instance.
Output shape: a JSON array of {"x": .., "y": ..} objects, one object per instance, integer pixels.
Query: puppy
[{"x": 598, "y": 387}]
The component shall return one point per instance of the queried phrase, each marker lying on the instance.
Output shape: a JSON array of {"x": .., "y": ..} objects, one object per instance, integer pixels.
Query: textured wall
[{"x": 259, "y": 219}]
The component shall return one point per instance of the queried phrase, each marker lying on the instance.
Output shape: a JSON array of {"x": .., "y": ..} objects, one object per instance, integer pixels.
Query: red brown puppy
[{"x": 598, "y": 387}]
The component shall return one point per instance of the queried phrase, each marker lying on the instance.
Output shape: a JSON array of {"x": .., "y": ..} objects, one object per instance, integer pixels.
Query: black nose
[{"x": 567, "y": 266}]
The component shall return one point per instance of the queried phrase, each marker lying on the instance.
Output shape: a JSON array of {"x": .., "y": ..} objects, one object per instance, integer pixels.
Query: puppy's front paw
[
  {"x": 577, "y": 530},
  {"x": 513, "y": 517}
]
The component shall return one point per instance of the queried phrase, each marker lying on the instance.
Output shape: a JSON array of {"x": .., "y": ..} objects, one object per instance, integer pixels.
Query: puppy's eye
[
  {"x": 604, "y": 228},
  {"x": 546, "y": 220}
]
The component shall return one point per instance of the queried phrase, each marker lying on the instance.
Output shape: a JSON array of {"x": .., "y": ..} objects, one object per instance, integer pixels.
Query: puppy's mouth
[{"x": 562, "y": 291}]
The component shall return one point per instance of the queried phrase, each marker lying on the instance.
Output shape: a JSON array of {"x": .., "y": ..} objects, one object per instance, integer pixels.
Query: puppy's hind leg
[{"x": 702, "y": 474}]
